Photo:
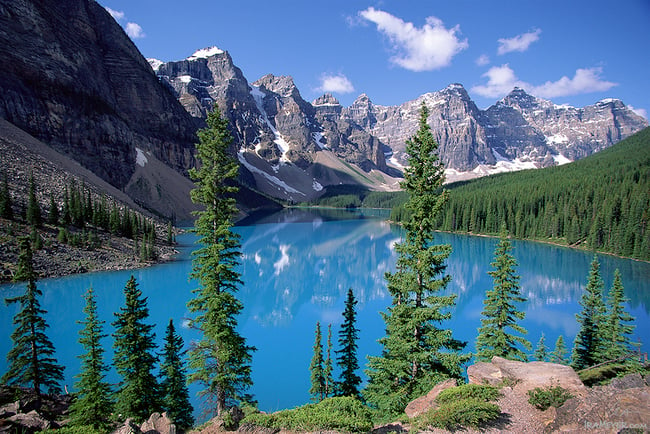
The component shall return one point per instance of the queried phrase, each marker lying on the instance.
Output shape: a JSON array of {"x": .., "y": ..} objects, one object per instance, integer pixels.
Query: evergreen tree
[
  {"x": 220, "y": 360},
  {"x": 541, "y": 352},
  {"x": 589, "y": 344},
  {"x": 5, "y": 199},
  {"x": 33, "y": 208},
  {"x": 317, "y": 389},
  {"x": 138, "y": 394},
  {"x": 327, "y": 365},
  {"x": 500, "y": 312},
  {"x": 417, "y": 352},
  {"x": 93, "y": 403},
  {"x": 559, "y": 352},
  {"x": 176, "y": 397},
  {"x": 618, "y": 322},
  {"x": 31, "y": 358},
  {"x": 347, "y": 355},
  {"x": 53, "y": 214}
]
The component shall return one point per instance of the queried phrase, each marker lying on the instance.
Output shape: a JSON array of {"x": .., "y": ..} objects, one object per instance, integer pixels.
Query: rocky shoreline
[{"x": 57, "y": 259}]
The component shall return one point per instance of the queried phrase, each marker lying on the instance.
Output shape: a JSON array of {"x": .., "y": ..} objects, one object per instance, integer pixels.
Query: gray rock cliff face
[
  {"x": 269, "y": 115},
  {"x": 73, "y": 79}
]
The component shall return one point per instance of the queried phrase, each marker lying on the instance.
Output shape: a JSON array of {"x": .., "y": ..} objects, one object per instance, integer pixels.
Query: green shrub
[
  {"x": 86, "y": 429},
  {"x": 454, "y": 415},
  {"x": 344, "y": 414},
  {"x": 480, "y": 392},
  {"x": 552, "y": 396},
  {"x": 604, "y": 374}
]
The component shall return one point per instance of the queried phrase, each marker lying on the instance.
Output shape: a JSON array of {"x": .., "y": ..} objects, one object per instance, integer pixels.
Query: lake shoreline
[{"x": 57, "y": 259}]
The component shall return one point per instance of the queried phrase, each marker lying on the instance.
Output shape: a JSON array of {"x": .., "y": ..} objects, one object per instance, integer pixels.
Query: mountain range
[
  {"x": 73, "y": 81},
  {"x": 274, "y": 125}
]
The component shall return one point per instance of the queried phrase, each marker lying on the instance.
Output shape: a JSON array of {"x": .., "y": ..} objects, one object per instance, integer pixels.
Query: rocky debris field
[{"x": 56, "y": 259}]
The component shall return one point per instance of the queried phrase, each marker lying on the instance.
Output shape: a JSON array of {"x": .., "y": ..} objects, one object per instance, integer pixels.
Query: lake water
[{"x": 297, "y": 267}]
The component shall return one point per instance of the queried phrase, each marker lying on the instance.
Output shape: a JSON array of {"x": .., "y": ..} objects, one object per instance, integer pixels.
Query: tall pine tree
[
  {"x": 500, "y": 314},
  {"x": 541, "y": 351},
  {"x": 33, "y": 208},
  {"x": 417, "y": 351},
  {"x": 175, "y": 395},
  {"x": 31, "y": 358},
  {"x": 316, "y": 368},
  {"x": 5, "y": 199},
  {"x": 347, "y": 355},
  {"x": 618, "y": 322},
  {"x": 93, "y": 402},
  {"x": 589, "y": 345},
  {"x": 220, "y": 360},
  {"x": 558, "y": 355},
  {"x": 134, "y": 359},
  {"x": 328, "y": 369}
]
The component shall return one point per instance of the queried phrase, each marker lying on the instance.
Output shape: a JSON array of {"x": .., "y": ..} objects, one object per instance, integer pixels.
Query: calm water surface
[{"x": 297, "y": 267}]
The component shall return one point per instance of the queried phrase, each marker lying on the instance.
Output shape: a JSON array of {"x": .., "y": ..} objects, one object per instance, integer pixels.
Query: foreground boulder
[
  {"x": 526, "y": 376},
  {"x": 605, "y": 409},
  {"x": 424, "y": 403}
]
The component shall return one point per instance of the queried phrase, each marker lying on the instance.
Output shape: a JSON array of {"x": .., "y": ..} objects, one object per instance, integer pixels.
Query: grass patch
[{"x": 344, "y": 414}]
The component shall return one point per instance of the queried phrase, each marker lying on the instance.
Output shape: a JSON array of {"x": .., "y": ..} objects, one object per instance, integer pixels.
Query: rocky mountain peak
[
  {"x": 456, "y": 89},
  {"x": 326, "y": 99},
  {"x": 282, "y": 85},
  {"x": 518, "y": 98}
]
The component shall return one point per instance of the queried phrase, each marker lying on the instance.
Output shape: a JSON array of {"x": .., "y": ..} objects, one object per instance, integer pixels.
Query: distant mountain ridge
[{"x": 273, "y": 123}]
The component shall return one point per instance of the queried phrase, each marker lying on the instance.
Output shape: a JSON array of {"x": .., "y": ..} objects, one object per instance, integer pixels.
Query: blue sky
[{"x": 570, "y": 51}]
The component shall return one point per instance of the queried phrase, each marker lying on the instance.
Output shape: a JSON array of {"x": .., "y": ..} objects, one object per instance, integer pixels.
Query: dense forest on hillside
[{"x": 600, "y": 203}]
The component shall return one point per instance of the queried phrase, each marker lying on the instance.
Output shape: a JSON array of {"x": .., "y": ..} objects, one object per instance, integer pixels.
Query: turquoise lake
[{"x": 297, "y": 266}]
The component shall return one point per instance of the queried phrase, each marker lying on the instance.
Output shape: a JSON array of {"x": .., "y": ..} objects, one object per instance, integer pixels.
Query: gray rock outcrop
[{"x": 525, "y": 376}]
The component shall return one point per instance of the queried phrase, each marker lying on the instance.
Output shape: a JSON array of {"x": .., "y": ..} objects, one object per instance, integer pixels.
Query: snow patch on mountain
[
  {"x": 155, "y": 63},
  {"x": 140, "y": 158},
  {"x": 273, "y": 179},
  {"x": 204, "y": 53},
  {"x": 258, "y": 96},
  {"x": 561, "y": 159}
]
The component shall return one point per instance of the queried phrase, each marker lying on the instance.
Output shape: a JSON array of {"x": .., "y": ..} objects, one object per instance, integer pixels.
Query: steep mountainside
[{"x": 73, "y": 79}]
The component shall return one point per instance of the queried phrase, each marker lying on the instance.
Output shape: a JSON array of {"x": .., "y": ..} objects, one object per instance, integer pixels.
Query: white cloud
[
  {"x": 418, "y": 49},
  {"x": 117, "y": 15},
  {"x": 640, "y": 111},
  {"x": 335, "y": 83},
  {"x": 482, "y": 60},
  {"x": 518, "y": 43},
  {"x": 502, "y": 79},
  {"x": 134, "y": 30},
  {"x": 584, "y": 81}
]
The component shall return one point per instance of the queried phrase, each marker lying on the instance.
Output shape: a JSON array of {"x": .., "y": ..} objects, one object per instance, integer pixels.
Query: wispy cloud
[
  {"x": 518, "y": 43},
  {"x": 338, "y": 83},
  {"x": 584, "y": 81},
  {"x": 502, "y": 79},
  {"x": 134, "y": 30},
  {"x": 482, "y": 60},
  {"x": 417, "y": 49},
  {"x": 117, "y": 15},
  {"x": 640, "y": 111}
]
